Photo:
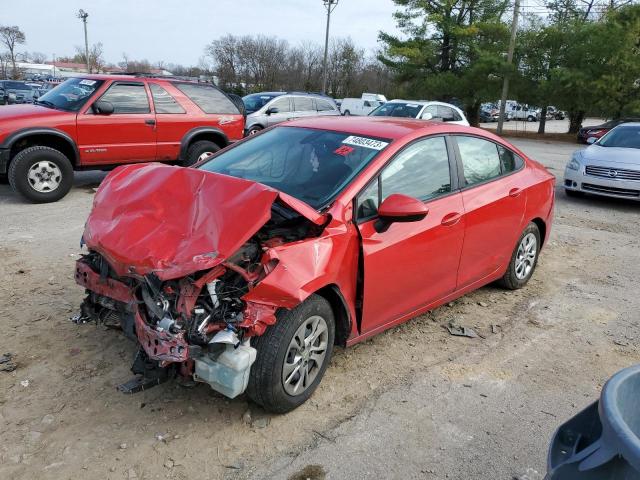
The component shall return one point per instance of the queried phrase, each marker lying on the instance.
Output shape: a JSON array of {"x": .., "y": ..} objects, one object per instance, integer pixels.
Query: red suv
[{"x": 101, "y": 121}]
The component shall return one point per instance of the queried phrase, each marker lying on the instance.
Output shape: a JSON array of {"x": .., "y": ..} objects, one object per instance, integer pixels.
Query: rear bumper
[
  {"x": 579, "y": 181},
  {"x": 4, "y": 160}
]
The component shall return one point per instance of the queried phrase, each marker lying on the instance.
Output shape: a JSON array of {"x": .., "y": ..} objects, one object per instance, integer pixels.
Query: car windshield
[
  {"x": 623, "y": 136},
  {"x": 253, "y": 103},
  {"x": 70, "y": 95},
  {"x": 397, "y": 109},
  {"x": 311, "y": 165}
]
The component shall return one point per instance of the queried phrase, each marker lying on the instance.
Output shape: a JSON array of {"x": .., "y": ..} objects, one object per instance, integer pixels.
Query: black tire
[
  {"x": 531, "y": 118},
  {"x": 253, "y": 130},
  {"x": 266, "y": 386},
  {"x": 573, "y": 193},
  {"x": 510, "y": 279},
  {"x": 4, "y": 179},
  {"x": 197, "y": 150},
  {"x": 346, "y": 113},
  {"x": 22, "y": 163}
]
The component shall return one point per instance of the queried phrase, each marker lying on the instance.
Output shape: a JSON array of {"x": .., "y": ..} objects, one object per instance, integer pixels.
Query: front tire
[
  {"x": 524, "y": 259},
  {"x": 292, "y": 356},
  {"x": 41, "y": 174},
  {"x": 200, "y": 151},
  {"x": 253, "y": 130},
  {"x": 346, "y": 113}
]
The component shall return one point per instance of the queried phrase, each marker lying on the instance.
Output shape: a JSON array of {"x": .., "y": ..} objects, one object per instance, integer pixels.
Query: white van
[{"x": 359, "y": 106}]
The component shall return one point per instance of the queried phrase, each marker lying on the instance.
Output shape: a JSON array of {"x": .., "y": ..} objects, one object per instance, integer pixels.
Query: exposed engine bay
[{"x": 197, "y": 326}]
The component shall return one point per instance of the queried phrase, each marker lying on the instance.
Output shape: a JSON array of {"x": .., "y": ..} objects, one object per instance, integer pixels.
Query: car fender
[{"x": 18, "y": 135}]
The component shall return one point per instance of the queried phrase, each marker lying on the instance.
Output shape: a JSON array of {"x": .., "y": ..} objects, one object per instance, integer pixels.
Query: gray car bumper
[{"x": 579, "y": 181}]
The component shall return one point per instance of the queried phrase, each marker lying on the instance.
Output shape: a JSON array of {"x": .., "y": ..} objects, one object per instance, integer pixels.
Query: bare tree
[
  {"x": 11, "y": 37},
  {"x": 35, "y": 57},
  {"x": 96, "y": 60}
]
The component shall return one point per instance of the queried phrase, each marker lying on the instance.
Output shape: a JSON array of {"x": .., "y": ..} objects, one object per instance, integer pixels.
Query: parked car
[
  {"x": 554, "y": 113},
  {"x": 100, "y": 121},
  {"x": 597, "y": 131},
  {"x": 349, "y": 226},
  {"x": 524, "y": 112},
  {"x": 270, "y": 108},
  {"x": 422, "y": 109},
  {"x": 14, "y": 91},
  {"x": 610, "y": 166},
  {"x": 358, "y": 106},
  {"x": 487, "y": 116}
]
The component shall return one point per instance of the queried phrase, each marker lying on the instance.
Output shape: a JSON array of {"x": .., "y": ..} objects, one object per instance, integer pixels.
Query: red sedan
[{"x": 245, "y": 271}]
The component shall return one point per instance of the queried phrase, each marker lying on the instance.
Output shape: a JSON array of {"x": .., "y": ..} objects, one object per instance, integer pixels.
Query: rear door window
[
  {"x": 282, "y": 104},
  {"x": 163, "y": 100},
  {"x": 323, "y": 105},
  {"x": 208, "y": 98},
  {"x": 303, "y": 104},
  {"x": 480, "y": 159},
  {"x": 127, "y": 98}
]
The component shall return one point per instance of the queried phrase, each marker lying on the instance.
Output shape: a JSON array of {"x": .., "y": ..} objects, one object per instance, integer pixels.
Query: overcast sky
[{"x": 177, "y": 31}]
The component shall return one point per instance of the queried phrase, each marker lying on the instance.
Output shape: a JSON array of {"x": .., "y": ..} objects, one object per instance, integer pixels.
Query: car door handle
[
  {"x": 451, "y": 219},
  {"x": 150, "y": 121},
  {"x": 514, "y": 192}
]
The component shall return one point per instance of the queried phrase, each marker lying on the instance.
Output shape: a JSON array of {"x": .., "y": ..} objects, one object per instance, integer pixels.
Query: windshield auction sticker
[{"x": 365, "y": 142}]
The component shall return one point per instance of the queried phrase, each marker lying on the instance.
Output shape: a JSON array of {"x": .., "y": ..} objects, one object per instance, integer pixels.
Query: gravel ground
[{"x": 413, "y": 402}]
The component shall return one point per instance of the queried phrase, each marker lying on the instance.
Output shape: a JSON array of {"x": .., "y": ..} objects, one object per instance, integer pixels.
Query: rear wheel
[
  {"x": 524, "y": 259},
  {"x": 41, "y": 174},
  {"x": 200, "y": 151},
  {"x": 292, "y": 356},
  {"x": 346, "y": 113},
  {"x": 531, "y": 118}
]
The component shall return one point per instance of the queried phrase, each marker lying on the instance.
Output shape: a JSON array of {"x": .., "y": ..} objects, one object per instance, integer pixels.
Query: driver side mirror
[
  {"x": 102, "y": 107},
  {"x": 399, "y": 208},
  {"x": 272, "y": 110},
  {"x": 591, "y": 140}
]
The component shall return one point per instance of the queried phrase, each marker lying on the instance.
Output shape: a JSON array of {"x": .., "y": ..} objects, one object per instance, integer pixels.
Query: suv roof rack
[{"x": 307, "y": 93}]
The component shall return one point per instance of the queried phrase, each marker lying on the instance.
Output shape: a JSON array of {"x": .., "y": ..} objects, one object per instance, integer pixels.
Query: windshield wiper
[{"x": 47, "y": 103}]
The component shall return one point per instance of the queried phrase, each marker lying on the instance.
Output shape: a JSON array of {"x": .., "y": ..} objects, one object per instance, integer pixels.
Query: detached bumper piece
[{"x": 148, "y": 373}]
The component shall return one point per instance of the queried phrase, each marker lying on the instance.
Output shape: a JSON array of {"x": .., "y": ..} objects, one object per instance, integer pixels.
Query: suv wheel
[
  {"x": 41, "y": 174},
  {"x": 524, "y": 259},
  {"x": 292, "y": 356},
  {"x": 200, "y": 151},
  {"x": 531, "y": 118},
  {"x": 346, "y": 113}
]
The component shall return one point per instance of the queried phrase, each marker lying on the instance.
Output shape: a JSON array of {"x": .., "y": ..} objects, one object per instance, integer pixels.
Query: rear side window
[
  {"x": 209, "y": 99},
  {"x": 480, "y": 159},
  {"x": 323, "y": 105},
  {"x": 303, "y": 104},
  {"x": 163, "y": 100},
  {"x": 127, "y": 98}
]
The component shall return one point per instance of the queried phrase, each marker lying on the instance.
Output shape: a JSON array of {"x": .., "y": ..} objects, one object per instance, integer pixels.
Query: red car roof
[{"x": 392, "y": 128}]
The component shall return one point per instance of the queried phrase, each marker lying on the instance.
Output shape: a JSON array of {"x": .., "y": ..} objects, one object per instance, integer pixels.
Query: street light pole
[
  {"x": 505, "y": 83},
  {"x": 330, "y": 5},
  {"x": 82, "y": 15}
]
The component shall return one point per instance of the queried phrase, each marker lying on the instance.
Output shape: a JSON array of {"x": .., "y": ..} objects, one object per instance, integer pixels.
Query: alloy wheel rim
[
  {"x": 44, "y": 176},
  {"x": 526, "y": 256},
  {"x": 305, "y": 355},
  {"x": 204, "y": 156}
]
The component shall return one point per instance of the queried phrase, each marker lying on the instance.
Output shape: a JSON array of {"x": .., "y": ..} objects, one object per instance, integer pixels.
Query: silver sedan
[{"x": 609, "y": 166}]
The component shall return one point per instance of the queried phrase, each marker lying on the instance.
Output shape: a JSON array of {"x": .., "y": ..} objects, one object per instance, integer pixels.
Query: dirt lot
[{"x": 413, "y": 402}]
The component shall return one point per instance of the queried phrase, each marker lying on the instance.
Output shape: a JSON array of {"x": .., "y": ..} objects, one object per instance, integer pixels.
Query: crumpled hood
[{"x": 175, "y": 221}]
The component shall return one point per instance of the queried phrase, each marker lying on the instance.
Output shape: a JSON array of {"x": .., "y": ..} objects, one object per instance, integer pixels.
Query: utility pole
[
  {"x": 330, "y": 5},
  {"x": 505, "y": 83},
  {"x": 82, "y": 15},
  {"x": 54, "y": 66}
]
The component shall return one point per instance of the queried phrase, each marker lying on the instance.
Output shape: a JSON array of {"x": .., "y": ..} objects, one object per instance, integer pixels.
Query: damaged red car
[{"x": 245, "y": 271}]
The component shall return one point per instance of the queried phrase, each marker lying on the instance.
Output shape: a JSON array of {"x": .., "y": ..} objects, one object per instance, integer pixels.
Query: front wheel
[
  {"x": 41, "y": 174},
  {"x": 253, "y": 130},
  {"x": 346, "y": 113},
  {"x": 524, "y": 259},
  {"x": 292, "y": 356},
  {"x": 531, "y": 118}
]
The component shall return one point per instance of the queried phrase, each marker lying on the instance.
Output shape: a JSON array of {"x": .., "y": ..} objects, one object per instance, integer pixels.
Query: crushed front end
[{"x": 189, "y": 317}]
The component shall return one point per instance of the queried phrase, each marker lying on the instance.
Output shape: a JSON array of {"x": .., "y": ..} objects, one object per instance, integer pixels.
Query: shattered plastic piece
[
  {"x": 459, "y": 331},
  {"x": 24, "y": 383}
]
